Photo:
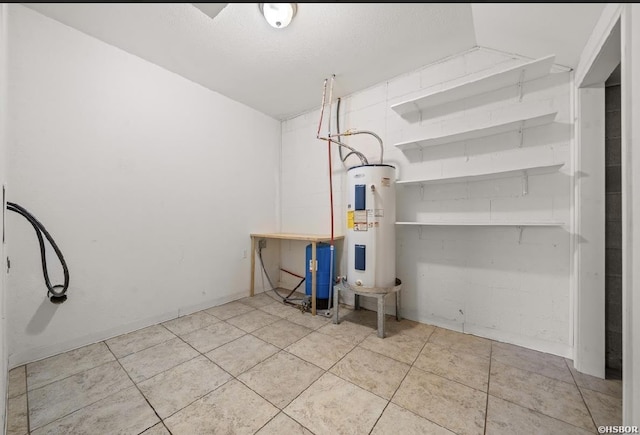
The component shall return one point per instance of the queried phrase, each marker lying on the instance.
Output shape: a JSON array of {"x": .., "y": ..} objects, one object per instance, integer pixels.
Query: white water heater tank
[{"x": 371, "y": 232}]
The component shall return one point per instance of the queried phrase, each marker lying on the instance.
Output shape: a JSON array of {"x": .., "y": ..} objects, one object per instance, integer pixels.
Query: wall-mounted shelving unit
[
  {"x": 520, "y": 225},
  {"x": 524, "y": 171},
  {"x": 490, "y": 82},
  {"x": 513, "y": 123},
  {"x": 518, "y": 120},
  {"x": 479, "y": 223}
]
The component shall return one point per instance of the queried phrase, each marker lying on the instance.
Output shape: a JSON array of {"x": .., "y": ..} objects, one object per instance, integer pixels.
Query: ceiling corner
[{"x": 210, "y": 9}]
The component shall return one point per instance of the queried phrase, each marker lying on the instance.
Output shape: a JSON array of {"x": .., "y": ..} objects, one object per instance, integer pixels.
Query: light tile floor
[{"x": 258, "y": 366}]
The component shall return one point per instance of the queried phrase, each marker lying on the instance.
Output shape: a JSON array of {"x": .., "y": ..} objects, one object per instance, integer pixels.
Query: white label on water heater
[
  {"x": 360, "y": 216},
  {"x": 386, "y": 182},
  {"x": 360, "y": 220}
]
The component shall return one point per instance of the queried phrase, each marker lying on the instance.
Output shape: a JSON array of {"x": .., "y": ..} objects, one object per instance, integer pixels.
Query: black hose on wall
[{"x": 57, "y": 293}]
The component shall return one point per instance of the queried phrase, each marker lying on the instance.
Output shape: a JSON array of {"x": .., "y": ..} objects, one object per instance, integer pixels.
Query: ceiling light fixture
[{"x": 278, "y": 15}]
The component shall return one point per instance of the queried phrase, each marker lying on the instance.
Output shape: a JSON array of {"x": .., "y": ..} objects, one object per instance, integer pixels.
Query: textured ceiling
[
  {"x": 232, "y": 50},
  {"x": 537, "y": 29}
]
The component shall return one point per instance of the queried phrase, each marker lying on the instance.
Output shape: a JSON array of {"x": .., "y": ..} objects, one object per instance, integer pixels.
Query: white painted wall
[
  {"x": 630, "y": 32},
  {"x": 3, "y": 178},
  {"x": 480, "y": 280},
  {"x": 149, "y": 183}
]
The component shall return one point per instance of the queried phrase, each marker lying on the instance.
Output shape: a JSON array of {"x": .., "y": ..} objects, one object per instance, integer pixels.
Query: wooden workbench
[{"x": 314, "y": 239}]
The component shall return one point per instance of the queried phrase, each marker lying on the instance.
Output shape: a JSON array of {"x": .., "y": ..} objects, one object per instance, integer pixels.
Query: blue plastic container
[{"x": 323, "y": 282}]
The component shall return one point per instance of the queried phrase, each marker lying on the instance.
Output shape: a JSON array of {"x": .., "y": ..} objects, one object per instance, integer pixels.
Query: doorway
[
  {"x": 613, "y": 227},
  {"x": 598, "y": 255}
]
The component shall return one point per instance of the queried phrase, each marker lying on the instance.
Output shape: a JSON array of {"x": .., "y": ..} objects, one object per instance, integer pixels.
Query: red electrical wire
[{"x": 291, "y": 273}]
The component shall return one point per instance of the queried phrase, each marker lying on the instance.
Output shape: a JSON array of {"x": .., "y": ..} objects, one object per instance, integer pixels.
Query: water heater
[{"x": 371, "y": 218}]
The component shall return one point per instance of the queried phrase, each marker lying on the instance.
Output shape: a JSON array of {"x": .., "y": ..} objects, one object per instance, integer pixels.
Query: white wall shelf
[
  {"x": 490, "y": 82},
  {"x": 512, "y": 123},
  {"x": 523, "y": 172},
  {"x": 484, "y": 223}
]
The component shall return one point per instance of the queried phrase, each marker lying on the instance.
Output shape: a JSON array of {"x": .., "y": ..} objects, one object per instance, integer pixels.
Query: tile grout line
[
  {"x": 539, "y": 374},
  {"x": 139, "y": 391},
  {"x": 418, "y": 368},
  {"x": 26, "y": 386},
  {"x": 236, "y": 377},
  {"x": 486, "y": 409},
  {"x": 88, "y": 404},
  {"x": 325, "y": 371},
  {"x": 139, "y": 350},
  {"x": 538, "y": 412},
  {"x": 396, "y": 390},
  {"x": 162, "y": 421},
  {"x": 280, "y": 410},
  {"x": 581, "y": 395},
  {"x": 445, "y": 378},
  {"x": 199, "y": 354},
  {"x": 400, "y": 384},
  {"x": 66, "y": 377}
]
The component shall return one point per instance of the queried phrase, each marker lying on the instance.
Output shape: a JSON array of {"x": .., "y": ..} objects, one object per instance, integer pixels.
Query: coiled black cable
[
  {"x": 285, "y": 299},
  {"x": 56, "y": 296}
]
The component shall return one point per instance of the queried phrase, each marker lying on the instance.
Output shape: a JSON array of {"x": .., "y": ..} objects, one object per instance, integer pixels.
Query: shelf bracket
[
  {"x": 521, "y": 134},
  {"x": 525, "y": 183},
  {"x": 520, "y": 229},
  {"x": 520, "y": 82},
  {"x": 422, "y": 192},
  {"x": 420, "y": 232}
]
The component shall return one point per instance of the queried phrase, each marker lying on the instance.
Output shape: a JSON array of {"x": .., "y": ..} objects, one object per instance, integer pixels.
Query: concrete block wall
[
  {"x": 613, "y": 229},
  {"x": 495, "y": 282}
]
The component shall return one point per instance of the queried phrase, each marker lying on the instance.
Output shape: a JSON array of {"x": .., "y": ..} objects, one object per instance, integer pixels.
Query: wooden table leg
[
  {"x": 253, "y": 266},
  {"x": 313, "y": 278}
]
